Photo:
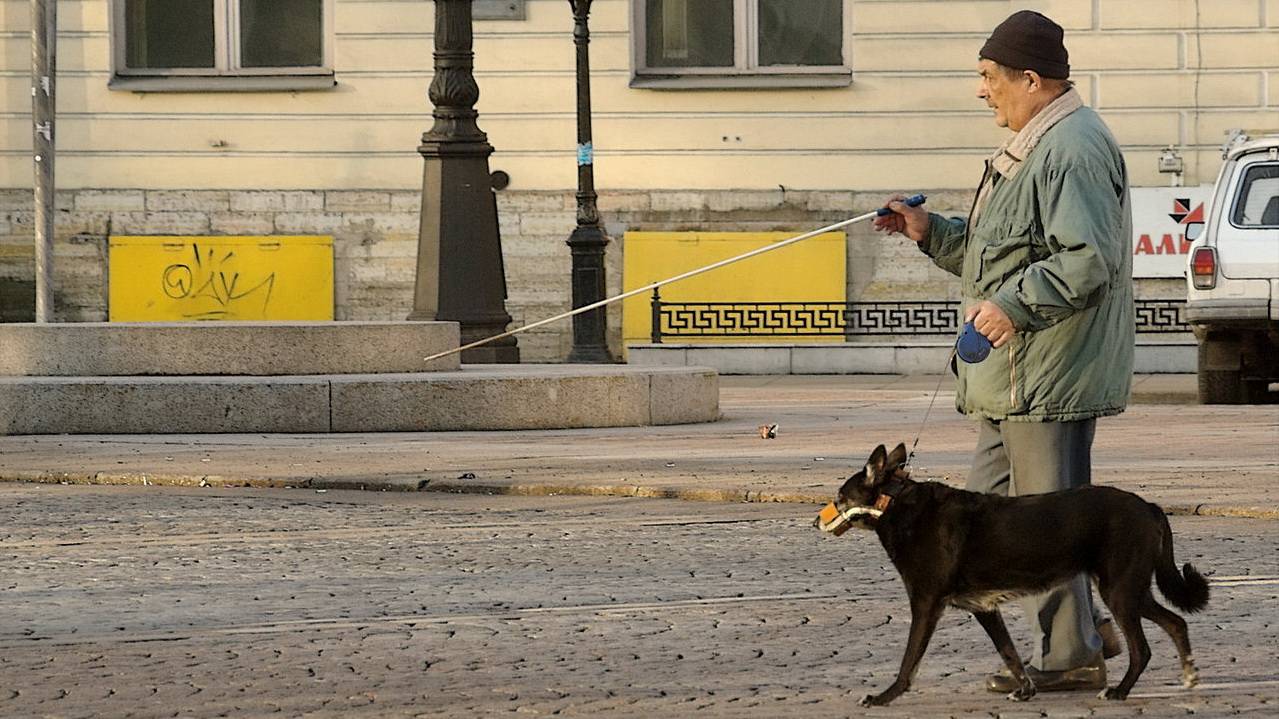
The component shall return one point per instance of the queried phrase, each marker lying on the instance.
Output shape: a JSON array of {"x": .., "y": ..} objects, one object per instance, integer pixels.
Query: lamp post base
[
  {"x": 460, "y": 277},
  {"x": 589, "y": 328}
]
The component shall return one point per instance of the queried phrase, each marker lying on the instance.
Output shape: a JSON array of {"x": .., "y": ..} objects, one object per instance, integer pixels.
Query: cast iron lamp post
[
  {"x": 588, "y": 240},
  {"x": 459, "y": 254}
]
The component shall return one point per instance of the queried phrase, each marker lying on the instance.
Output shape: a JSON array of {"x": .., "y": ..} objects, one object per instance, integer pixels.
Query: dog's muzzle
[{"x": 835, "y": 522}]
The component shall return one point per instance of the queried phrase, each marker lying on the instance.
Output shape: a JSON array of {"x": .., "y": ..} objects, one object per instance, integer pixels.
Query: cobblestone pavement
[{"x": 150, "y": 601}]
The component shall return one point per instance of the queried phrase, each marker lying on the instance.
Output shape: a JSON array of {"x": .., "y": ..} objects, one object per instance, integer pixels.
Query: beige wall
[
  {"x": 343, "y": 162},
  {"x": 1161, "y": 71}
]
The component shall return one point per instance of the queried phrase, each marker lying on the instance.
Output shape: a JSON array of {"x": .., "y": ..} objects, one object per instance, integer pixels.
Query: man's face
[{"x": 1006, "y": 94}]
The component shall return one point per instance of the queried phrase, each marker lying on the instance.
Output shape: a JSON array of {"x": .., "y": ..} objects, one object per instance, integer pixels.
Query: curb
[
  {"x": 1169, "y": 397},
  {"x": 537, "y": 489},
  {"x": 147, "y": 479}
]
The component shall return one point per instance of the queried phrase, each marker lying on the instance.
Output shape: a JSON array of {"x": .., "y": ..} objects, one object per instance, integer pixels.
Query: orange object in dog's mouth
[
  {"x": 835, "y": 522},
  {"x": 831, "y": 520}
]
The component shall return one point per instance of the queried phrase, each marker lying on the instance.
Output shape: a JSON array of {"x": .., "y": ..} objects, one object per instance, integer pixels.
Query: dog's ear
[
  {"x": 897, "y": 457},
  {"x": 876, "y": 465}
]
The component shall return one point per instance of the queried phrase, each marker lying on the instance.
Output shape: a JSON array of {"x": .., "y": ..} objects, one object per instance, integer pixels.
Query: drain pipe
[{"x": 44, "y": 49}]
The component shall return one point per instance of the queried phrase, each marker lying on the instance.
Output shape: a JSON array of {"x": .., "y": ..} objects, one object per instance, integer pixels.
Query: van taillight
[{"x": 1203, "y": 268}]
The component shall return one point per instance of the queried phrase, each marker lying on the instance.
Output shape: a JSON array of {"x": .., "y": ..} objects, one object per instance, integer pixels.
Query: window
[
  {"x": 193, "y": 45},
  {"x": 1257, "y": 204},
  {"x": 740, "y": 43}
]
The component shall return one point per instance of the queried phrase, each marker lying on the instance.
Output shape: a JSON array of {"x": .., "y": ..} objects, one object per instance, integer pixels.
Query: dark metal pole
[
  {"x": 655, "y": 307},
  {"x": 460, "y": 276},
  {"x": 588, "y": 240},
  {"x": 44, "y": 64}
]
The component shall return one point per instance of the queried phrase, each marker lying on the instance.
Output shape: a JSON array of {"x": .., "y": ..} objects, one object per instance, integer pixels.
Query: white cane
[{"x": 913, "y": 201}]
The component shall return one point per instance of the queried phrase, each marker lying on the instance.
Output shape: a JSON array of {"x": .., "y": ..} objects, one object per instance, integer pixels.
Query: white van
[{"x": 1232, "y": 300}]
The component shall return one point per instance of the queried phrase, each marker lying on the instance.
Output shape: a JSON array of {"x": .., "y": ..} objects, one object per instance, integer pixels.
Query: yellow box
[
  {"x": 811, "y": 270},
  {"x": 175, "y": 279}
]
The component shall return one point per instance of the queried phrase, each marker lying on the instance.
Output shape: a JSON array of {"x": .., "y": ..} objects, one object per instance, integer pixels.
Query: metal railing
[{"x": 848, "y": 319}]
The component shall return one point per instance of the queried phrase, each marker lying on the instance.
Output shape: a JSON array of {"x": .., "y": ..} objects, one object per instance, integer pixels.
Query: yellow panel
[
  {"x": 173, "y": 279},
  {"x": 808, "y": 271}
]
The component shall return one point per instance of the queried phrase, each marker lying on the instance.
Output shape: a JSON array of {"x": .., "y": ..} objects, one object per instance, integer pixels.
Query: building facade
[{"x": 302, "y": 117}]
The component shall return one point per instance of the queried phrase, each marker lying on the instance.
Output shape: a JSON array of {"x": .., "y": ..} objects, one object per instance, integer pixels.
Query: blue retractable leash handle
[
  {"x": 913, "y": 201},
  {"x": 972, "y": 346}
]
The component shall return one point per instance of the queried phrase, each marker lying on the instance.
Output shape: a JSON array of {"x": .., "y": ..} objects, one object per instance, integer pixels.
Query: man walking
[{"x": 1046, "y": 272}]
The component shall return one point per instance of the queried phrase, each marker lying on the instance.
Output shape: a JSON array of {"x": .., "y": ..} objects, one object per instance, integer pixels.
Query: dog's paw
[
  {"x": 875, "y": 700},
  {"x": 1189, "y": 672},
  {"x": 1114, "y": 694},
  {"x": 1022, "y": 694}
]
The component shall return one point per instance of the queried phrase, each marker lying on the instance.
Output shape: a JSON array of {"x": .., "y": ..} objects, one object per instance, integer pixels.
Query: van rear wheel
[{"x": 1220, "y": 386}]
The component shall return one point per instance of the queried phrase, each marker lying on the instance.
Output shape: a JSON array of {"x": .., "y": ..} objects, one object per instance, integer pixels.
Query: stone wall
[
  {"x": 375, "y": 239},
  {"x": 375, "y": 244}
]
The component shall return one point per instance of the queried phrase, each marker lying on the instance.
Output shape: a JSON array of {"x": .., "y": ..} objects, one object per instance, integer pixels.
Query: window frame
[
  {"x": 746, "y": 71},
  {"x": 1236, "y": 205},
  {"x": 227, "y": 74}
]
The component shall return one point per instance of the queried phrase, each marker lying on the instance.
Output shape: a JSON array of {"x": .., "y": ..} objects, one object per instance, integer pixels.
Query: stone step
[
  {"x": 479, "y": 397},
  {"x": 1164, "y": 355},
  {"x": 95, "y": 349}
]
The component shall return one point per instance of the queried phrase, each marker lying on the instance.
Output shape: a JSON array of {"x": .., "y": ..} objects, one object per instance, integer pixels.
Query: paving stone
[{"x": 161, "y": 601}]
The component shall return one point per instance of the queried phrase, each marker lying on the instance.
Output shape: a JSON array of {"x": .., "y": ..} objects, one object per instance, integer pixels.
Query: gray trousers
[{"x": 1017, "y": 458}]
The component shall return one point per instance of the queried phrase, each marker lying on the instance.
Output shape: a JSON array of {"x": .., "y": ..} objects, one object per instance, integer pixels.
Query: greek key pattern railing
[
  {"x": 1161, "y": 316},
  {"x": 842, "y": 319}
]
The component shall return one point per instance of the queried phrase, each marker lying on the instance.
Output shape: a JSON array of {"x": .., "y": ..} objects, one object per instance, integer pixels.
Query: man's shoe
[
  {"x": 1090, "y": 676},
  {"x": 1110, "y": 646}
]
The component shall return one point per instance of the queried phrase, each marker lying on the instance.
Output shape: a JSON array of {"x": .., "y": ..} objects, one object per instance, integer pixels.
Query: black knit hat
[{"x": 1029, "y": 41}]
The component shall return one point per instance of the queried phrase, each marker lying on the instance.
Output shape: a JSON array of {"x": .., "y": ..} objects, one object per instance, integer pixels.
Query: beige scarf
[{"x": 1008, "y": 158}]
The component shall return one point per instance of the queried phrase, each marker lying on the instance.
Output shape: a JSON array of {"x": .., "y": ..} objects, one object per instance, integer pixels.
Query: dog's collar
[{"x": 891, "y": 488}]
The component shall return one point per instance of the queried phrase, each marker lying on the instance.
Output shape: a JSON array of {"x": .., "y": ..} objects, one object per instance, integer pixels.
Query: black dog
[{"x": 974, "y": 551}]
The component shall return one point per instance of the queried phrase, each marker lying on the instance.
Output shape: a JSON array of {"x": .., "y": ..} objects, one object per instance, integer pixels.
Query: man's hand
[
  {"x": 991, "y": 321},
  {"x": 910, "y": 221}
]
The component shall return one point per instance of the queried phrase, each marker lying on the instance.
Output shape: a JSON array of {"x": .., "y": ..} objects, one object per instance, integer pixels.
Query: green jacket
[{"x": 1051, "y": 247}]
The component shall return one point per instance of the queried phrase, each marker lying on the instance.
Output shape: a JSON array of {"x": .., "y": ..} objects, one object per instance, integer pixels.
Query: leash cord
[{"x": 954, "y": 348}]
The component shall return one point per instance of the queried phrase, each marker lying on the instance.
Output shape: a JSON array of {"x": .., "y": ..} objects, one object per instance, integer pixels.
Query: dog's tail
[{"x": 1187, "y": 589}]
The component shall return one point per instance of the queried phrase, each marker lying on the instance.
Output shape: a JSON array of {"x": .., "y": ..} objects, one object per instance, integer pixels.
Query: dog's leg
[
  {"x": 924, "y": 614},
  {"x": 1125, "y": 603},
  {"x": 993, "y": 622},
  {"x": 1176, "y": 628}
]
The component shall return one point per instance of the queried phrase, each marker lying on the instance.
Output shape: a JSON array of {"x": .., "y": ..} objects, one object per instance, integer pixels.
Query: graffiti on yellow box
[{"x": 171, "y": 279}]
